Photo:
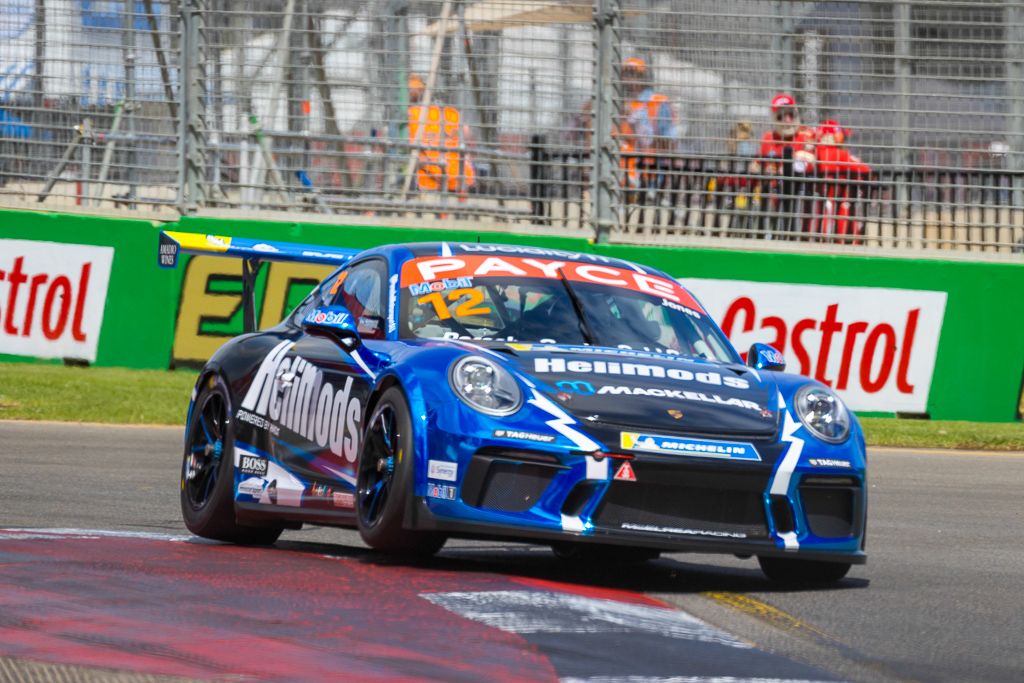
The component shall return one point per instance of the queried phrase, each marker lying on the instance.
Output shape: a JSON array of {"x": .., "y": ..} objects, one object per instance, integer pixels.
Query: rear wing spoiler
[{"x": 252, "y": 253}]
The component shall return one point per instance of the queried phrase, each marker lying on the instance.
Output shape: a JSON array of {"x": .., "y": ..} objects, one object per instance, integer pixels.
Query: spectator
[
  {"x": 648, "y": 129},
  {"x": 741, "y": 141},
  {"x": 832, "y": 156},
  {"x": 838, "y": 167},
  {"x": 786, "y": 132},
  {"x": 737, "y": 183},
  {"x": 442, "y": 128}
]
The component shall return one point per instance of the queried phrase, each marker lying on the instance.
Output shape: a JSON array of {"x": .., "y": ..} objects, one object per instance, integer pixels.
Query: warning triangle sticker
[{"x": 625, "y": 472}]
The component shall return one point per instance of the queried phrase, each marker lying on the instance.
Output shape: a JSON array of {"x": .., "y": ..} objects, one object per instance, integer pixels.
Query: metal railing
[
  {"x": 647, "y": 121},
  {"x": 681, "y": 197}
]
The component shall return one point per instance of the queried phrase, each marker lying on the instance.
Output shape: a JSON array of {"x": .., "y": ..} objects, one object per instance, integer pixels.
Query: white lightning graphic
[
  {"x": 780, "y": 482},
  {"x": 563, "y": 424}
]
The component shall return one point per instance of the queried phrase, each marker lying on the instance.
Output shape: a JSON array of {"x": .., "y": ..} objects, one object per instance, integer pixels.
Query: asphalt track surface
[{"x": 940, "y": 599}]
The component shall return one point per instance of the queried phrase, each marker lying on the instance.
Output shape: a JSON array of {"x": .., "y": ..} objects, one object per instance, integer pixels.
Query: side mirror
[
  {"x": 765, "y": 357},
  {"x": 335, "y": 322}
]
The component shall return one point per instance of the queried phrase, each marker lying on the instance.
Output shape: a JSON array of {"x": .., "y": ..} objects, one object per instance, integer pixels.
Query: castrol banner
[
  {"x": 52, "y": 298},
  {"x": 876, "y": 347}
]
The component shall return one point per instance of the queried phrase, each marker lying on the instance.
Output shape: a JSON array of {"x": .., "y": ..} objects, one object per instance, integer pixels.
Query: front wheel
[
  {"x": 384, "y": 482},
  {"x": 796, "y": 571},
  {"x": 207, "y": 473}
]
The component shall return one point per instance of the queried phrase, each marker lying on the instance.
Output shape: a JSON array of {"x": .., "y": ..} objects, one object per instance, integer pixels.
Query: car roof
[{"x": 455, "y": 249}]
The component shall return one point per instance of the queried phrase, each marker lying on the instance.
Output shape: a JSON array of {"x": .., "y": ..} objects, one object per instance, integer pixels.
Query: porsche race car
[{"x": 428, "y": 391}]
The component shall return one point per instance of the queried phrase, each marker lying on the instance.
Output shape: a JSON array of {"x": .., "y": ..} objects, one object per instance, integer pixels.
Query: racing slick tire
[
  {"x": 384, "y": 482},
  {"x": 207, "y": 472},
  {"x": 796, "y": 571},
  {"x": 587, "y": 553}
]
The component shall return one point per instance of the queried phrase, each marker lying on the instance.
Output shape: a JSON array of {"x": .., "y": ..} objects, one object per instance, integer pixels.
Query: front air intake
[
  {"x": 508, "y": 481},
  {"x": 830, "y": 504}
]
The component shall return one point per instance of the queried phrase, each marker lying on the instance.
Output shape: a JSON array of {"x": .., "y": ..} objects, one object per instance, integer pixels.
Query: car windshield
[{"x": 563, "y": 307}]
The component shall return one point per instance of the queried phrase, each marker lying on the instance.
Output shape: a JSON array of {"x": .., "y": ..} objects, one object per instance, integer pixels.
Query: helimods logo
[
  {"x": 602, "y": 367},
  {"x": 308, "y": 406}
]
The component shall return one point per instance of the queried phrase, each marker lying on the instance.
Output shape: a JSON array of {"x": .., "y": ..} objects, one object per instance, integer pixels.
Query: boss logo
[{"x": 250, "y": 464}]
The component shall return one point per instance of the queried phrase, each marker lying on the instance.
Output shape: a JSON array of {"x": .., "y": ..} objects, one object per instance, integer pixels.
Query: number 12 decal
[{"x": 471, "y": 306}]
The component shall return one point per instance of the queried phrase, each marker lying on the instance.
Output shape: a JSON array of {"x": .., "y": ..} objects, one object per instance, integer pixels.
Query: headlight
[
  {"x": 485, "y": 386},
  {"x": 823, "y": 413}
]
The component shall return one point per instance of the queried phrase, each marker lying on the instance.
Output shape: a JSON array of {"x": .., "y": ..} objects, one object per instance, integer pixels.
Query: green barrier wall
[
  {"x": 978, "y": 370},
  {"x": 138, "y": 318}
]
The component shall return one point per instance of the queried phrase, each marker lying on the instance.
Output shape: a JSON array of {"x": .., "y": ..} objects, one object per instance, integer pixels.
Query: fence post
[
  {"x": 604, "y": 189},
  {"x": 1015, "y": 87},
  {"x": 901, "y": 136},
  {"x": 191, "y": 121}
]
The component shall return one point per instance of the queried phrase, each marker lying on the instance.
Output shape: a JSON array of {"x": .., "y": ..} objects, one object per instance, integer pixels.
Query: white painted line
[
  {"x": 549, "y": 612},
  {"x": 683, "y": 679},
  {"x": 89, "y": 533}
]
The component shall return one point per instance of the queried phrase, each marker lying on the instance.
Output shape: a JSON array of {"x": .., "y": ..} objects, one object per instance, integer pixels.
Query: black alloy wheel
[
  {"x": 207, "y": 472},
  {"x": 384, "y": 483}
]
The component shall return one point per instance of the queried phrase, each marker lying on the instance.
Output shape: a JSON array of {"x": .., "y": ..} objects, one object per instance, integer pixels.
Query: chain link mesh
[
  {"x": 905, "y": 128},
  {"x": 88, "y": 110}
]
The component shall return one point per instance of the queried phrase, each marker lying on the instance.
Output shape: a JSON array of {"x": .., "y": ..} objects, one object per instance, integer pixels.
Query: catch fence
[{"x": 640, "y": 121}]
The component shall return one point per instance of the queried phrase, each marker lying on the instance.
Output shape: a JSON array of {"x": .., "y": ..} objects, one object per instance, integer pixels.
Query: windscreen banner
[
  {"x": 52, "y": 298},
  {"x": 875, "y": 346}
]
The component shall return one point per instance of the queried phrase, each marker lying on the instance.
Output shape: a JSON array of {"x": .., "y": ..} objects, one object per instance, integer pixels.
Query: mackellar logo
[{"x": 314, "y": 409}]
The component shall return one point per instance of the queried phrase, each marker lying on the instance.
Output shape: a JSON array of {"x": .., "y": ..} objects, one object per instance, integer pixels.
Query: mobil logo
[
  {"x": 328, "y": 317},
  {"x": 576, "y": 387},
  {"x": 875, "y": 346},
  {"x": 52, "y": 298}
]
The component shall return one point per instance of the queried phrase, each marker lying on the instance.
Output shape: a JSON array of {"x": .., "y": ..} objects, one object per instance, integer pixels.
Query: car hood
[{"x": 652, "y": 392}]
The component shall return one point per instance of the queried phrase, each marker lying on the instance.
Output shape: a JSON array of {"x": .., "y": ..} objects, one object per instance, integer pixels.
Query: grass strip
[
  {"x": 987, "y": 436},
  {"x": 39, "y": 391}
]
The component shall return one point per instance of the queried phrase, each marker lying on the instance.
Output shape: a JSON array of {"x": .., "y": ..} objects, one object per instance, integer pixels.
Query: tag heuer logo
[{"x": 677, "y": 414}]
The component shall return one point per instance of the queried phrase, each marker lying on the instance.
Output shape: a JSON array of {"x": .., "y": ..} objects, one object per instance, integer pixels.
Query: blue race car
[{"x": 425, "y": 391}]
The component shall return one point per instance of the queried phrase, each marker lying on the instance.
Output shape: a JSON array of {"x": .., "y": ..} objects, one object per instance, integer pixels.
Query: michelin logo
[
  {"x": 652, "y": 443},
  {"x": 602, "y": 367}
]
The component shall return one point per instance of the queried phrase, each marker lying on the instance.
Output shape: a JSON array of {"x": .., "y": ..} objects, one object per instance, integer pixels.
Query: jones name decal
[{"x": 307, "y": 405}]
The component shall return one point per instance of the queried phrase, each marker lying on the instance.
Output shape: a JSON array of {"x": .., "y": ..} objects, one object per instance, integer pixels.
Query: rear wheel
[
  {"x": 795, "y": 571},
  {"x": 385, "y": 481},
  {"x": 207, "y": 473}
]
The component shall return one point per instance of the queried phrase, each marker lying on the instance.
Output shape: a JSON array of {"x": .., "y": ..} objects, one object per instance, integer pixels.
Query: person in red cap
[{"x": 787, "y": 131}]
